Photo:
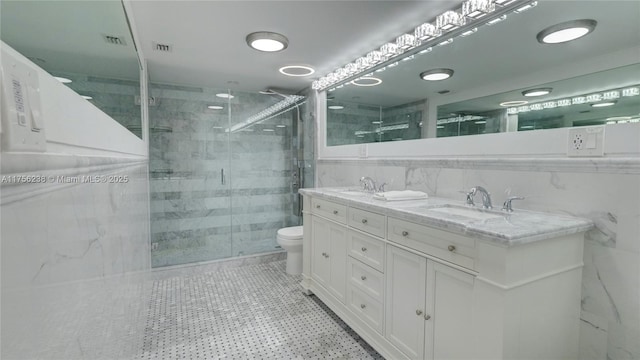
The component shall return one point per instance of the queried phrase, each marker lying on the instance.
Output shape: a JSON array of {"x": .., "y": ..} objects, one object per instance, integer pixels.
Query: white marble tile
[
  {"x": 77, "y": 232},
  {"x": 603, "y": 190}
]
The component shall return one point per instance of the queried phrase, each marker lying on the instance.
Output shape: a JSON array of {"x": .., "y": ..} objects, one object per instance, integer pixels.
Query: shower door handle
[{"x": 223, "y": 179}]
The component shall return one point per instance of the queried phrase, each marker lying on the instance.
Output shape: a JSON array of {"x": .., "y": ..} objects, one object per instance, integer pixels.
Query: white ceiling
[{"x": 209, "y": 47}]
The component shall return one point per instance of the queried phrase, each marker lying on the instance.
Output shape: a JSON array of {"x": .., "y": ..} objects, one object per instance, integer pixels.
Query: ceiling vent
[
  {"x": 162, "y": 47},
  {"x": 113, "y": 40}
]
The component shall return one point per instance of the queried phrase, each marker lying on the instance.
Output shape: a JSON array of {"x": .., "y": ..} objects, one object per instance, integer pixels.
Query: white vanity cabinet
[
  {"x": 417, "y": 287},
  {"x": 329, "y": 259},
  {"x": 429, "y": 307}
]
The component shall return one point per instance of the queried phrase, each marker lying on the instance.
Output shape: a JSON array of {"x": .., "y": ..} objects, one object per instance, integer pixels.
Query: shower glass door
[
  {"x": 221, "y": 173},
  {"x": 188, "y": 157},
  {"x": 261, "y": 172}
]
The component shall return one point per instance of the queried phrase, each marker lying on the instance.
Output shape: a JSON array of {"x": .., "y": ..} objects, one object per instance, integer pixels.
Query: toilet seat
[{"x": 290, "y": 233}]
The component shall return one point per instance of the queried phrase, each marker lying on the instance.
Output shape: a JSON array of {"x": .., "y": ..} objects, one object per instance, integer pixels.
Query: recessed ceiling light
[
  {"x": 480, "y": 122},
  {"x": 566, "y": 31},
  {"x": 267, "y": 41},
  {"x": 514, "y": 103},
  {"x": 225, "y": 95},
  {"x": 281, "y": 126},
  {"x": 62, "y": 80},
  {"x": 86, "y": 97},
  {"x": 527, "y": 127},
  {"x": 268, "y": 130},
  {"x": 376, "y": 122},
  {"x": 436, "y": 74},
  {"x": 296, "y": 70},
  {"x": 440, "y": 127},
  {"x": 367, "y": 81},
  {"x": 215, "y": 107},
  {"x": 604, "y": 104},
  {"x": 536, "y": 92},
  {"x": 336, "y": 107}
]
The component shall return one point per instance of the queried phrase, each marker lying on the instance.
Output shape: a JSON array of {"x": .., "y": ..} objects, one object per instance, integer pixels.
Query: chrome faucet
[
  {"x": 486, "y": 197},
  {"x": 507, "y": 203},
  {"x": 369, "y": 185}
]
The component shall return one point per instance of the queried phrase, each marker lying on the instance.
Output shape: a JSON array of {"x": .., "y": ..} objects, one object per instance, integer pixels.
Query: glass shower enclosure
[{"x": 224, "y": 172}]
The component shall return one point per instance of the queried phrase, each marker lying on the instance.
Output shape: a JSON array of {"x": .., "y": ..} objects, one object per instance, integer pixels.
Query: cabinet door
[
  {"x": 337, "y": 257},
  {"x": 320, "y": 265},
  {"x": 405, "y": 305},
  {"x": 449, "y": 332}
]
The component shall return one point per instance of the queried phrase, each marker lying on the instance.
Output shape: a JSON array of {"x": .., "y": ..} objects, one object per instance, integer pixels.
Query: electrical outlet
[
  {"x": 154, "y": 246},
  {"x": 586, "y": 141}
]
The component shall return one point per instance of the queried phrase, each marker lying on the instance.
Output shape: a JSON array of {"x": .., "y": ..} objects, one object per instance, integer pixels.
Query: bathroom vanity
[{"x": 435, "y": 279}]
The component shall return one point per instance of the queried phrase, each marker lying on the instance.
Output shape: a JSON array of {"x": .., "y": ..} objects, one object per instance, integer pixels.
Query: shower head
[{"x": 270, "y": 91}]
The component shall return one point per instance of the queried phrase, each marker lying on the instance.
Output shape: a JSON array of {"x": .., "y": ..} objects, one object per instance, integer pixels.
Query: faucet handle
[
  {"x": 470, "y": 194},
  {"x": 381, "y": 187},
  {"x": 507, "y": 203}
]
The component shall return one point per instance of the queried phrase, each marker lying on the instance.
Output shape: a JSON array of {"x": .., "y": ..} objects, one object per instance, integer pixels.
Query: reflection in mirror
[
  {"x": 495, "y": 54},
  {"x": 606, "y": 97},
  {"x": 86, "y": 42},
  {"x": 350, "y": 122}
]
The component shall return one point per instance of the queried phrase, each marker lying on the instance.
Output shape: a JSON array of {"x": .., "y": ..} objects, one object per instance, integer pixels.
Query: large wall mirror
[
  {"x": 395, "y": 103},
  {"x": 86, "y": 44}
]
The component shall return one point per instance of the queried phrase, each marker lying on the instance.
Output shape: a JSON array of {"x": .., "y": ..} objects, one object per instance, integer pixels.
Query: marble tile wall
[
  {"x": 63, "y": 241},
  {"x": 610, "y": 317},
  {"x": 358, "y": 123},
  {"x": 195, "y": 216},
  {"x": 342, "y": 124},
  {"x": 119, "y": 99}
]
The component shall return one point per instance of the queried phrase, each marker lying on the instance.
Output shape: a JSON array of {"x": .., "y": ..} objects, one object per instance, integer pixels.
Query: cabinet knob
[
  {"x": 335, "y": 212},
  {"x": 317, "y": 206},
  {"x": 451, "y": 248},
  {"x": 363, "y": 278},
  {"x": 364, "y": 221},
  {"x": 363, "y": 306},
  {"x": 427, "y": 317},
  {"x": 363, "y": 249},
  {"x": 324, "y": 254},
  {"x": 405, "y": 233},
  {"x": 418, "y": 312}
]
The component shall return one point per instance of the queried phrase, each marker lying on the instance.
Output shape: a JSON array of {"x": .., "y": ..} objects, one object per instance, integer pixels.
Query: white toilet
[{"x": 290, "y": 239}]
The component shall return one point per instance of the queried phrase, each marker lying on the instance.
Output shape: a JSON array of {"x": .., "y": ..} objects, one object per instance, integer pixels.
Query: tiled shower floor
[{"x": 254, "y": 311}]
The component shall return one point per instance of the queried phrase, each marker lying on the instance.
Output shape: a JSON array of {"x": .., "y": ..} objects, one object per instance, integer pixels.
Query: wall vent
[
  {"x": 162, "y": 47},
  {"x": 114, "y": 40}
]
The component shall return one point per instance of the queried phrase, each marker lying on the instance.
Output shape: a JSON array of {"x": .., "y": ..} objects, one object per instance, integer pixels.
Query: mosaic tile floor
[{"x": 249, "y": 312}]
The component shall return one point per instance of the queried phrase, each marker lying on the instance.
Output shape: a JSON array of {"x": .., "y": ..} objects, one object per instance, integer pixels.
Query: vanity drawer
[
  {"x": 367, "y": 221},
  {"x": 369, "y": 280},
  {"x": 366, "y": 249},
  {"x": 366, "y": 308},
  {"x": 329, "y": 210},
  {"x": 454, "y": 248}
]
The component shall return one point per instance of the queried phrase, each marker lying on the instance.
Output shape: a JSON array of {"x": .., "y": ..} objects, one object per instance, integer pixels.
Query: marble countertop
[{"x": 516, "y": 228}]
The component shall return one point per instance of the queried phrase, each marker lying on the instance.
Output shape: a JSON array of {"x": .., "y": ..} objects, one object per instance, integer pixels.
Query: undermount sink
[
  {"x": 349, "y": 192},
  {"x": 353, "y": 193},
  {"x": 467, "y": 212}
]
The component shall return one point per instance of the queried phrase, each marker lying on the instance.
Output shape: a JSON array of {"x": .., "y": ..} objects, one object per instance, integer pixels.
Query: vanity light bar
[
  {"x": 476, "y": 9},
  {"x": 577, "y": 100},
  {"x": 382, "y": 129},
  {"x": 268, "y": 113},
  {"x": 457, "y": 119},
  {"x": 450, "y": 20},
  {"x": 471, "y": 11}
]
